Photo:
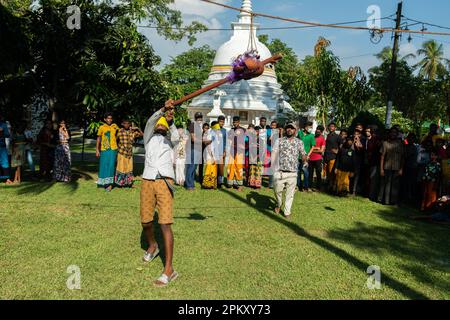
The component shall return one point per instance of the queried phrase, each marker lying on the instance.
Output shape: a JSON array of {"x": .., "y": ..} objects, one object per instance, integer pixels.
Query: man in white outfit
[
  {"x": 157, "y": 189},
  {"x": 285, "y": 157}
]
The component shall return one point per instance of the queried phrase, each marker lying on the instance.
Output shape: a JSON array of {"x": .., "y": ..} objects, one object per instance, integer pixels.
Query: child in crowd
[
  {"x": 431, "y": 181},
  {"x": 441, "y": 212},
  {"x": 18, "y": 152}
]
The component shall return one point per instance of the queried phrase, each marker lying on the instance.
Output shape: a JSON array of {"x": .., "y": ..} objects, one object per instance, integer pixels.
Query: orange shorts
[{"x": 155, "y": 194}]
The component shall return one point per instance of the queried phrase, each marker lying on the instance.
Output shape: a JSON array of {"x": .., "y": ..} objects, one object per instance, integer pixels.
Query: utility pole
[{"x": 392, "y": 81}]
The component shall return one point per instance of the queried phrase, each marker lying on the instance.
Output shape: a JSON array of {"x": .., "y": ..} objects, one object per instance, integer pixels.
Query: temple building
[{"x": 252, "y": 99}]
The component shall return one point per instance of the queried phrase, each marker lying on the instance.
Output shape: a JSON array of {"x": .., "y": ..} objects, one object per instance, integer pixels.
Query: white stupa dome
[{"x": 238, "y": 44}]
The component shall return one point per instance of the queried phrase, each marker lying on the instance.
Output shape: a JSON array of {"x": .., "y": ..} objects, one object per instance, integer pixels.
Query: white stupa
[{"x": 250, "y": 99}]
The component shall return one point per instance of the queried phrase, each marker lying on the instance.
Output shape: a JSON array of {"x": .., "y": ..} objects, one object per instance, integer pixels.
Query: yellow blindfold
[{"x": 162, "y": 122}]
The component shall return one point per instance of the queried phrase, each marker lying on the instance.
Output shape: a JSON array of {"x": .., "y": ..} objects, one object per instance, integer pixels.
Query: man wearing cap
[
  {"x": 194, "y": 150},
  {"x": 160, "y": 136},
  {"x": 236, "y": 155},
  {"x": 285, "y": 155}
]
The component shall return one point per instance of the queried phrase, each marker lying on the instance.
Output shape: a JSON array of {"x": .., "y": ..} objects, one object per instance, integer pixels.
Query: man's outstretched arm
[{"x": 151, "y": 123}]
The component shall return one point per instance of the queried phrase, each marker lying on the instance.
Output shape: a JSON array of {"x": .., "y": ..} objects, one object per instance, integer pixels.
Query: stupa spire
[{"x": 244, "y": 17}]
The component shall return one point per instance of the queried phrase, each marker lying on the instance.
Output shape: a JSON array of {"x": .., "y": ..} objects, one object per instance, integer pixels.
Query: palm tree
[
  {"x": 321, "y": 44},
  {"x": 386, "y": 55},
  {"x": 433, "y": 63}
]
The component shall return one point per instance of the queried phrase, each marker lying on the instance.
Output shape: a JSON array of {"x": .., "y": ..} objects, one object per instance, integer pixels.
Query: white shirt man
[
  {"x": 157, "y": 187},
  {"x": 159, "y": 149}
]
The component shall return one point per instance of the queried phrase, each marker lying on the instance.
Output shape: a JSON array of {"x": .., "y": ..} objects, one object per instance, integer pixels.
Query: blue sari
[{"x": 107, "y": 168}]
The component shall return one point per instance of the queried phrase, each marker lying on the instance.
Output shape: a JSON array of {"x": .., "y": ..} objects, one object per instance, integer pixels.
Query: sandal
[
  {"x": 164, "y": 280},
  {"x": 148, "y": 257}
]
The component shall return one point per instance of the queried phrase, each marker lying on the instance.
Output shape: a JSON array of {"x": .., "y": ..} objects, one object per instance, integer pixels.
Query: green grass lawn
[{"x": 228, "y": 245}]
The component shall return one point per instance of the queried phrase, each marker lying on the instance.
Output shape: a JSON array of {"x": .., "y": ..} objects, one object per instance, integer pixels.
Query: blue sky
[{"x": 352, "y": 46}]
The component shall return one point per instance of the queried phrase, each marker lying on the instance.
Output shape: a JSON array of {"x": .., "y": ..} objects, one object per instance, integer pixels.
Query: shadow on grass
[
  {"x": 359, "y": 264},
  {"x": 423, "y": 246},
  {"x": 38, "y": 187},
  {"x": 195, "y": 216}
]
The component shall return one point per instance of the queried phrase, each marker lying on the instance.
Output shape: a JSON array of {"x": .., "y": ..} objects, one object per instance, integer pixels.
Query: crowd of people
[
  {"x": 361, "y": 162},
  {"x": 17, "y": 146},
  {"x": 114, "y": 148},
  {"x": 389, "y": 168}
]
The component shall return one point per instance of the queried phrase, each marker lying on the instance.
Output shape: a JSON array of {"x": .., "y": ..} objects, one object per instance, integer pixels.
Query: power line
[
  {"x": 427, "y": 23},
  {"x": 431, "y": 38},
  {"x": 326, "y": 25},
  {"x": 267, "y": 28},
  {"x": 359, "y": 56}
]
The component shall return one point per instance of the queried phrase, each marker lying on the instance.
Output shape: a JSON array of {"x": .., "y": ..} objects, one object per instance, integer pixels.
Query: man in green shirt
[{"x": 307, "y": 136}]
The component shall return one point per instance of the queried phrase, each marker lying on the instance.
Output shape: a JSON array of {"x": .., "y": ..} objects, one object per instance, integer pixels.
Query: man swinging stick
[
  {"x": 158, "y": 178},
  {"x": 157, "y": 188}
]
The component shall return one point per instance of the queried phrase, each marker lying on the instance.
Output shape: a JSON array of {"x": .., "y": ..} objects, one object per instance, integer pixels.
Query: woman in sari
[
  {"x": 47, "y": 150},
  {"x": 255, "y": 163},
  {"x": 4, "y": 161},
  {"x": 211, "y": 155},
  {"x": 61, "y": 168},
  {"x": 125, "y": 138},
  {"x": 107, "y": 152}
]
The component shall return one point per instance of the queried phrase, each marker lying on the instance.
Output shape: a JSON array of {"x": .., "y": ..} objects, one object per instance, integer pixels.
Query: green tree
[
  {"x": 159, "y": 13},
  {"x": 445, "y": 92},
  {"x": 407, "y": 85},
  {"x": 433, "y": 63},
  {"x": 318, "y": 79},
  {"x": 352, "y": 95},
  {"x": 398, "y": 118},
  {"x": 187, "y": 73},
  {"x": 17, "y": 7},
  {"x": 416, "y": 99},
  {"x": 16, "y": 85},
  {"x": 385, "y": 55},
  {"x": 106, "y": 65},
  {"x": 322, "y": 83},
  {"x": 287, "y": 69}
]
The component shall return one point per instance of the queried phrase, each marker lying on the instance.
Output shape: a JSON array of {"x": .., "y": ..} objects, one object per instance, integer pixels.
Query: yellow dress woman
[{"x": 107, "y": 152}]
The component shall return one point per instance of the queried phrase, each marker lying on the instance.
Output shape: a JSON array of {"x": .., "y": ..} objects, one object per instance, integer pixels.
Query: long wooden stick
[{"x": 194, "y": 94}]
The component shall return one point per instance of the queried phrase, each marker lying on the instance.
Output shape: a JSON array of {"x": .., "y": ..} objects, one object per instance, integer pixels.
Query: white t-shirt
[
  {"x": 213, "y": 150},
  {"x": 159, "y": 157}
]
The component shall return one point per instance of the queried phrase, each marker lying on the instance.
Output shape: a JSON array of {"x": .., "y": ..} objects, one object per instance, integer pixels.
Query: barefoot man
[{"x": 160, "y": 136}]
